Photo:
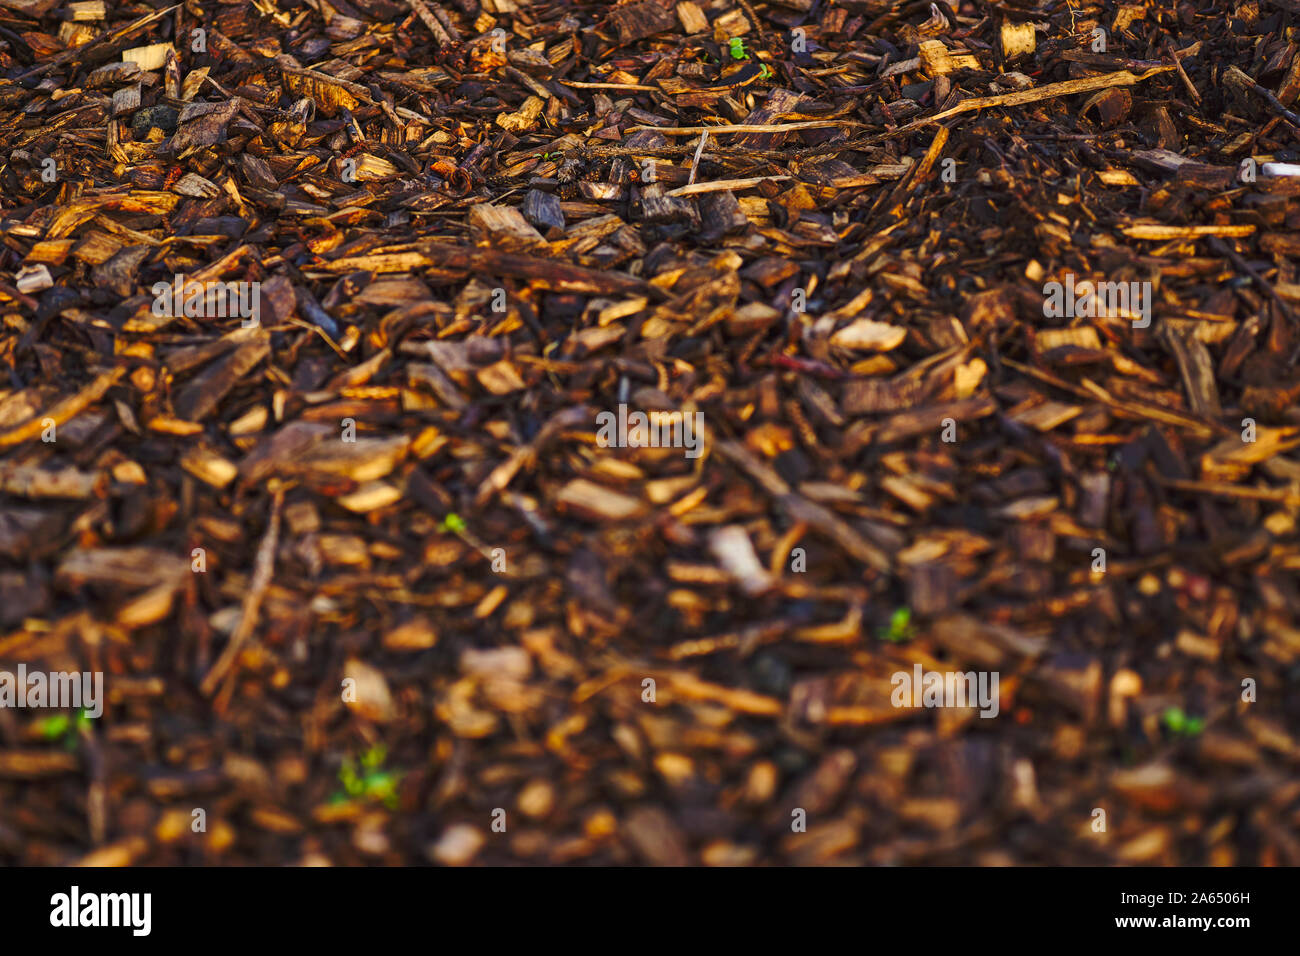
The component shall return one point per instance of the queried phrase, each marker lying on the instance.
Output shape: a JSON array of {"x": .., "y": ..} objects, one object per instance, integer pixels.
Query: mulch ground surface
[{"x": 368, "y": 583}]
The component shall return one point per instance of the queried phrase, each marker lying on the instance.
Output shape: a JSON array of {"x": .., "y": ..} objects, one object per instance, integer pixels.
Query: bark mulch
[{"x": 362, "y": 578}]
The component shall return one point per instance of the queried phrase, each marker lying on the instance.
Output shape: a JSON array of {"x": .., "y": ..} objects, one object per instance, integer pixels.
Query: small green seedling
[
  {"x": 1180, "y": 725},
  {"x": 766, "y": 72},
  {"x": 372, "y": 782},
  {"x": 737, "y": 48},
  {"x": 61, "y": 727},
  {"x": 900, "y": 627},
  {"x": 454, "y": 523}
]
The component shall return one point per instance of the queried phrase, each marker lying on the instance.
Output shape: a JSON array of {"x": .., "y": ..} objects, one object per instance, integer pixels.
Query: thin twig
[
  {"x": 695, "y": 163},
  {"x": 717, "y": 154},
  {"x": 445, "y": 20},
  {"x": 1234, "y": 73},
  {"x": 1187, "y": 80},
  {"x": 745, "y": 127},
  {"x": 440, "y": 35},
  {"x": 262, "y": 568},
  {"x": 695, "y": 189},
  {"x": 1283, "y": 496},
  {"x": 1017, "y": 98}
]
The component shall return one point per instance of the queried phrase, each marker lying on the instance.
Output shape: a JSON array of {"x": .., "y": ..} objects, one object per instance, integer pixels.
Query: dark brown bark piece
[{"x": 637, "y": 20}]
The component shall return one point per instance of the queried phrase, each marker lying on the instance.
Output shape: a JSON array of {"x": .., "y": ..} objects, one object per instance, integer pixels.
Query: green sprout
[
  {"x": 900, "y": 627},
  {"x": 766, "y": 72},
  {"x": 454, "y": 523},
  {"x": 52, "y": 728},
  {"x": 61, "y": 727},
  {"x": 371, "y": 781},
  {"x": 737, "y": 48},
  {"x": 1180, "y": 725}
]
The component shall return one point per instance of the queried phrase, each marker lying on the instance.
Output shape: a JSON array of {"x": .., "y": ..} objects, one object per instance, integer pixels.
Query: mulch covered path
[{"x": 368, "y": 585}]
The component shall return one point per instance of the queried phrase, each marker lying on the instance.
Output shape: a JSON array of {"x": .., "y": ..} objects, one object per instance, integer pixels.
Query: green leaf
[
  {"x": 380, "y": 784},
  {"x": 373, "y": 758},
  {"x": 900, "y": 627},
  {"x": 737, "y": 47},
  {"x": 348, "y": 777},
  {"x": 382, "y": 787},
  {"x": 52, "y": 728},
  {"x": 454, "y": 522},
  {"x": 1175, "y": 719}
]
